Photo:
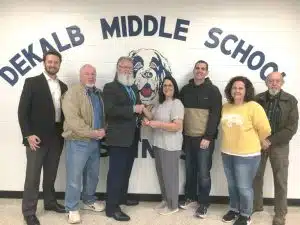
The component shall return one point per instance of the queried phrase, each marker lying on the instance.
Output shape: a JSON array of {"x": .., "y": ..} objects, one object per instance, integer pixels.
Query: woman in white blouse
[{"x": 166, "y": 120}]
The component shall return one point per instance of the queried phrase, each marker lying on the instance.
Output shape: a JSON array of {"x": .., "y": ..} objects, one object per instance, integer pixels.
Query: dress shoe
[
  {"x": 31, "y": 220},
  {"x": 56, "y": 208},
  {"x": 132, "y": 202},
  {"x": 119, "y": 216}
]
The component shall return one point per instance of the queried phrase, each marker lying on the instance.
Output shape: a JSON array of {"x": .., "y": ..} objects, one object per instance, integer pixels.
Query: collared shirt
[
  {"x": 56, "y": 94},
  {"x": 132, "y": 97},
  {"x": 97, "y": 106},
  {"x": 273, "y": 111},
  {"x": 131, "y": 94}
]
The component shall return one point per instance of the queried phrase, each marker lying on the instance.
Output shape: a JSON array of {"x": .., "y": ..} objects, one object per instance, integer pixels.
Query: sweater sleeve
[
  {"x": 260, "y": 122},
  {"x": 214, "y": 115}
]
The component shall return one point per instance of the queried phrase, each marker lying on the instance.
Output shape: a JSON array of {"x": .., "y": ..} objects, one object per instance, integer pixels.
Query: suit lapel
[
  {"x": 137, "y": 94},
  {"x": 47, "y": 93},
  {"x": 62, "y": 87},
  {"x": 124, "y": 91},
  {"x": 45, "y": 86}
]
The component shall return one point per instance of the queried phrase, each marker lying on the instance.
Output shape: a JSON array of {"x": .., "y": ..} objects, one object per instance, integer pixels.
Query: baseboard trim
[{"x": 145, "y": 197}]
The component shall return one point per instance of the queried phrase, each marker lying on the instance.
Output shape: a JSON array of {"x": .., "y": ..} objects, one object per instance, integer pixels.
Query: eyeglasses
[
  {"x": 126, "y": 67},
  {"x": 274, "y": 81},
  {"x": 167, "y": 85}
]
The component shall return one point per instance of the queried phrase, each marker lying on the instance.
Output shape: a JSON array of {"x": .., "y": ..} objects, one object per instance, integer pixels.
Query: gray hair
[
  {"x": 124, "y": 58},
  {"x": 86, "y": 65}
]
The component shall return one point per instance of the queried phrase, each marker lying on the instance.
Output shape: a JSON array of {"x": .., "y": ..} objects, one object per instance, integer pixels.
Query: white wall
[{"x": 272, "y": 27}]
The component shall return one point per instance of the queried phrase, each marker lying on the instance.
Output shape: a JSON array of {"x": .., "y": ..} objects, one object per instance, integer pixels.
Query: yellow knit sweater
[{"x": 243, "y": 127}]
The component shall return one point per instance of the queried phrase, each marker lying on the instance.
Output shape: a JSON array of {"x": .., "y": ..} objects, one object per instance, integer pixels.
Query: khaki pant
[{"x": 279, "y": 159}]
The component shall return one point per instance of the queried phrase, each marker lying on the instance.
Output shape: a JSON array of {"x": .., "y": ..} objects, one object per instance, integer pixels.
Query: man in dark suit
[
  {"x": 122, "y": 109},
  {"x": 41, "y": 120}
]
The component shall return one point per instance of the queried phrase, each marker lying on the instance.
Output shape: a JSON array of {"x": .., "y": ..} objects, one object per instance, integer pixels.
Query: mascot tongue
[{"x": 146, "y": 91}]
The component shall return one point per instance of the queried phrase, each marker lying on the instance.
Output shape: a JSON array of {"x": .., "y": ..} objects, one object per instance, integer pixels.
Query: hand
[
  {"x": 265, "y": 144},
  {"x": 139, "y": 109},
  {"x": 98, "y": 134},
  {"x": 148, "y": 107},
  {"x": 145, "y": 122},
  {"x": 155, "y": 124},
  {"x": 34, "y": 142},
  {"x": 204, "y": 144},
  {"x": 102, "y": 133}
]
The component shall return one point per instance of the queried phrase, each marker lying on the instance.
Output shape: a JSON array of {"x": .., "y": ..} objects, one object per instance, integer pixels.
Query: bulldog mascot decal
[{"x": 150, "y": 68}]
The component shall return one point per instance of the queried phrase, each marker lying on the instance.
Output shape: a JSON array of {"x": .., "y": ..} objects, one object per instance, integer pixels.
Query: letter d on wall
[{"x": 9, "y": 74}]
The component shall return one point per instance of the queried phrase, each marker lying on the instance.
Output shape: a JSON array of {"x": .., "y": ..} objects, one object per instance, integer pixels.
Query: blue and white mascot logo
[{"x": 150, "y": 68}]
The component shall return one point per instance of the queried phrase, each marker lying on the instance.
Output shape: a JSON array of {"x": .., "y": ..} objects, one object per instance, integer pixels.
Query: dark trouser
[
  {"x": 120, "y": 165},
  {"x": 279, "y": 159},
  {"x": 167, "y": 168},
  {"x": 198, "y": 165},
  {"x": 47, "y": 156}
]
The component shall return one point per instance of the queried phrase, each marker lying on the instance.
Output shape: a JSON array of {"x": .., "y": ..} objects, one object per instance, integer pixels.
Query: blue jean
[
  {"x": 198, "y": 165},
  {"x": 82, "y": 165},
  {"x": 240, "y": 173}
]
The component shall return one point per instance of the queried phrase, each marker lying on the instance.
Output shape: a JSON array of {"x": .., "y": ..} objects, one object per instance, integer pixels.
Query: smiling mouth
[{"x": 146, "y": 91}]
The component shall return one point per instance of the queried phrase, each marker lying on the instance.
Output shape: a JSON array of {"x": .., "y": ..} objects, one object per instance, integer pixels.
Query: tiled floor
[{"x": 143, "y": 214}]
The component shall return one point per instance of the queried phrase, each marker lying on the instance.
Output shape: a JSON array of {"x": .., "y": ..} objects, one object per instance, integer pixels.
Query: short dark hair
[
  {"x": 249, "y": 92},
  {"x": 52, "y": 52},
  {"x": 162, "y": 97},
  {"x": 201, "y": 61}
]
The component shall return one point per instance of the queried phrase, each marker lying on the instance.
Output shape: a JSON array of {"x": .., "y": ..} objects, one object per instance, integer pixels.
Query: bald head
[
  {"x": 274, "y": 82},
  {"x": 88, "y": 75}
]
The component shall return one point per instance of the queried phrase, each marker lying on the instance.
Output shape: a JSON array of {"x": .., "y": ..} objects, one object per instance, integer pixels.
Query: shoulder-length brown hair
[{"x": 249, "y": 95}]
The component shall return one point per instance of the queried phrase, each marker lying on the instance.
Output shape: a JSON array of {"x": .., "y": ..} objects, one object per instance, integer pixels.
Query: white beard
[
  {"x": 126, "y": 80},
  {"x": 273, "y": 92},
  {"x": 90, "y": 85}
]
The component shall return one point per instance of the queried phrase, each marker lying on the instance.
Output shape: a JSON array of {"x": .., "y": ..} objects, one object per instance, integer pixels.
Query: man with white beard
[
  {"x": 122, "y": 109},
  {"x": 282, "y": 111}
]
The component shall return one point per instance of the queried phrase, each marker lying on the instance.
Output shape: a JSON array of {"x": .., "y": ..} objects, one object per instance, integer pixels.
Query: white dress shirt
[{"x": 56, "y": 94}]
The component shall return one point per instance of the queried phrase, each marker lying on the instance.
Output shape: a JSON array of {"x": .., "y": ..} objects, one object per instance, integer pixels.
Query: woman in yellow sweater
[{"x": 245, "y": 128}]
